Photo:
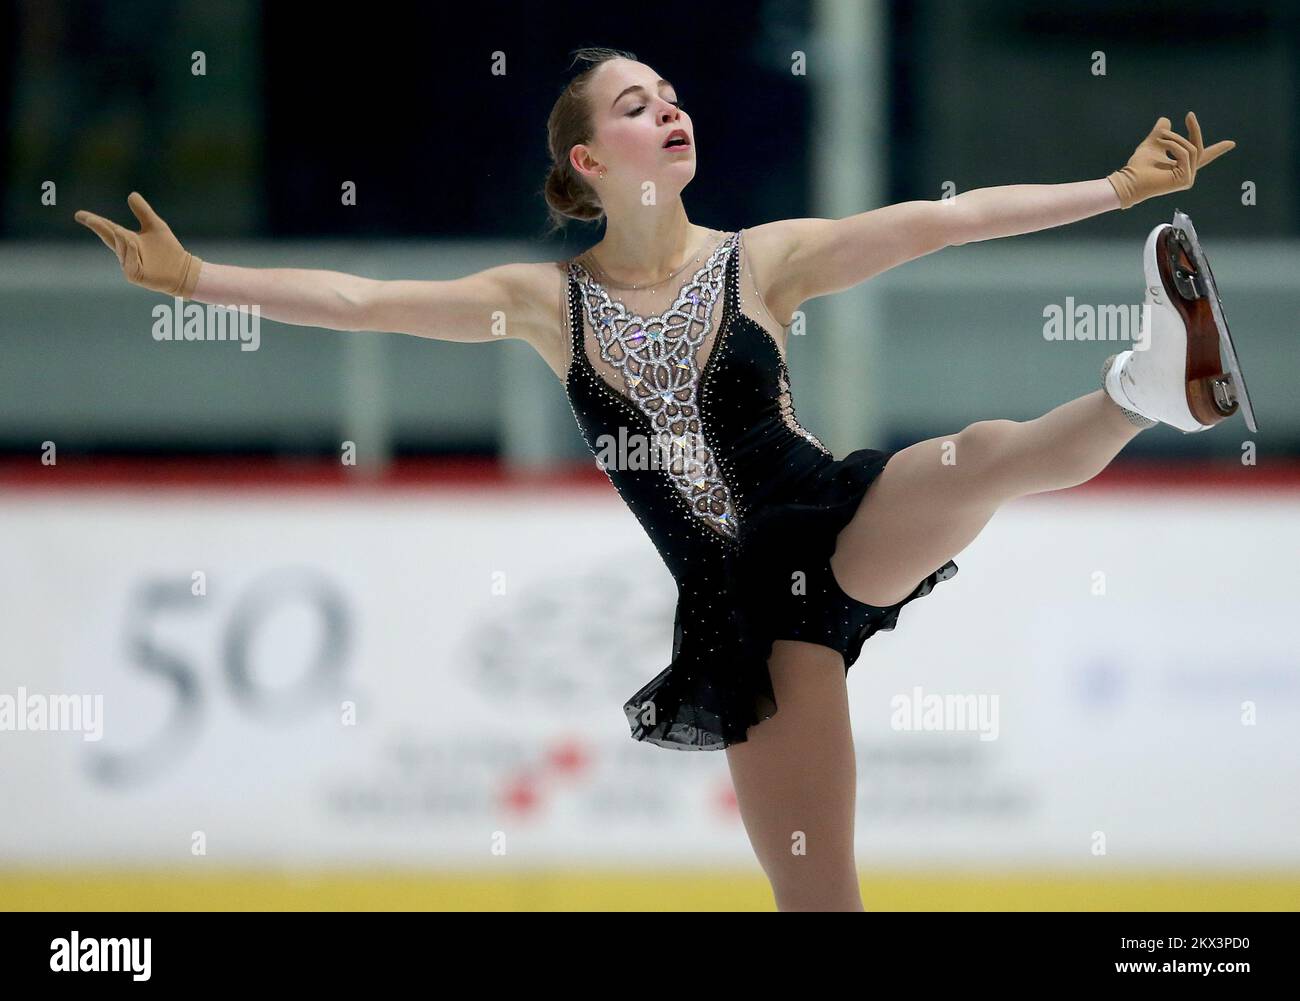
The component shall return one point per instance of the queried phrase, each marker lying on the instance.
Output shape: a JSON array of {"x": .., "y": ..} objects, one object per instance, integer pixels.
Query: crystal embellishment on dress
[
  {"x": 787, "y": 413},
  {"x": 657, "y": 358}
]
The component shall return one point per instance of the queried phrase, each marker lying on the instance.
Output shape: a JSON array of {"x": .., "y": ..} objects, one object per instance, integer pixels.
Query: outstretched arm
[
  {"x": 488, "y": 305},
  {"x": 1163, "y": 162},
  {"x": 806, "y": 258},
  {"x": 498, "y": 302}
]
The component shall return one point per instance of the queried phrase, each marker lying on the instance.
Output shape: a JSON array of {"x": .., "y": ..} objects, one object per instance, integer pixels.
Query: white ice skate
[{"x": 1189, "y": 376}]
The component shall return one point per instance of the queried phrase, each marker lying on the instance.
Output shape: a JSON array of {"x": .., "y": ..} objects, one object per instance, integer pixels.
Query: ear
[{"x": 581, "y": 160}]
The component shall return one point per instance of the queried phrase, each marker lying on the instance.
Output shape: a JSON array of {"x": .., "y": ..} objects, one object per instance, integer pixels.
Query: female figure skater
[{"x": 673, "y": 335}]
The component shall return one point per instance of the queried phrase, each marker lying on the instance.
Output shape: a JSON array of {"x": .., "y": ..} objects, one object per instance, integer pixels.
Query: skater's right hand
[
  {"x": 1150, "y": 172},
  {"x": 152, "y": 258}
]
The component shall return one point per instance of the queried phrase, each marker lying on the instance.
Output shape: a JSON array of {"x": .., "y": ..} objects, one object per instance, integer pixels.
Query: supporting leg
[{"x": 795, "y": 780}]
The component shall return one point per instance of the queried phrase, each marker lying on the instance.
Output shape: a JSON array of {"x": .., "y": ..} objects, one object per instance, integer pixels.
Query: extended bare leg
[{"x": 934, "y": 497}]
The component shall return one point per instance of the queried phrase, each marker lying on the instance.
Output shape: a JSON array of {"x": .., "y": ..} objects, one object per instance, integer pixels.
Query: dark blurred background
[
  {"x": 400, "y": 101},
  {"x": 246, "y": 161}
]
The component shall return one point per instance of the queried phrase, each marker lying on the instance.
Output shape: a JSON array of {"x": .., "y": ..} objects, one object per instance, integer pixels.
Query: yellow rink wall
[{"x": 556, "y": 890}]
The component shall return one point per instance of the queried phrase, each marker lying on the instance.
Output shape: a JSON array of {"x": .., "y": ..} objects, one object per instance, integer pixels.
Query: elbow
[
  {"x": 953, "y": 223},
  {"x": 356, "y": 304}
]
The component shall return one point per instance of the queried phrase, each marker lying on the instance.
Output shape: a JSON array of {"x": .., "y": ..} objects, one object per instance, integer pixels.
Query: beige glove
[
  {"x": 1149, "y": 172},
  {"x": 153, "y": 257}
]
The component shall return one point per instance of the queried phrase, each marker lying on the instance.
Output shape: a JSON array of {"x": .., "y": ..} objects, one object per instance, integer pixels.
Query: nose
[{"x": 669, "y": 113}]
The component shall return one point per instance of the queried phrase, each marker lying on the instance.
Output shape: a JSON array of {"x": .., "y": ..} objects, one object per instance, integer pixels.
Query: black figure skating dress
[{"x": 683, "y": 395}]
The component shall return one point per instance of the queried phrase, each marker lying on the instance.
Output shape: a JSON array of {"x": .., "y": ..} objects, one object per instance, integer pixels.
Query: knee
[{"x": 981, "y": 445}]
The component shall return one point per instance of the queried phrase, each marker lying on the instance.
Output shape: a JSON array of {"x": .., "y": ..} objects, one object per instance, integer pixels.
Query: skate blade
[{"x": 1224, "y": 395}]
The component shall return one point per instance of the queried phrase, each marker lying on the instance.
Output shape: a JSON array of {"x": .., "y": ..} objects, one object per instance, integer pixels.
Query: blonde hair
[{"x": 568, "y": 195}]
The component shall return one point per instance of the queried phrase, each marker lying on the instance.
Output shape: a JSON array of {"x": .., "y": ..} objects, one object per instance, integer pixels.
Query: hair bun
[{"x": 567, "y": 195}]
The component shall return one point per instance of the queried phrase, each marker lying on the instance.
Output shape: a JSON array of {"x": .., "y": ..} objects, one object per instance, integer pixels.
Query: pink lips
[{"x": 678, "y": 134}]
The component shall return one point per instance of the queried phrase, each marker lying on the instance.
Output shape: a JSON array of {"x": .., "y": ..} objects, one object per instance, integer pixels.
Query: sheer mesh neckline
[
  {"x": 588, "y": 257},
  {"x": 651, "y": 352},
  {"x": 651, "y": 341},
  {"x": 655, "y": 363}
]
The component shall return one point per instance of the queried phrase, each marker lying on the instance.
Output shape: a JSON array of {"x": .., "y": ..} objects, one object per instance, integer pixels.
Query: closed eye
[{"x": 641, "y": 108}]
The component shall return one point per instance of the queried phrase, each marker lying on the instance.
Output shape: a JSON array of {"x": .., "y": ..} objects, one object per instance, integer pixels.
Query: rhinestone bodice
[
  {"x": 688, "y": 408},
  {"x": 657, "y": 357}
]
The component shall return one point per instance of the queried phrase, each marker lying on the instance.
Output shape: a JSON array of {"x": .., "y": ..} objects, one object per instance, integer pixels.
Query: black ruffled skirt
[{"x": 777, "y": 585}]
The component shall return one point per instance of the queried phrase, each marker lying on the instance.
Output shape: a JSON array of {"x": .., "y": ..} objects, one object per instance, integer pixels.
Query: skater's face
[{"x": 635, "y": 113}]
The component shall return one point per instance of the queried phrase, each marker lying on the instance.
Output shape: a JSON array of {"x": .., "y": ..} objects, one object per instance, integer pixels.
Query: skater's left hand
[{"x": 1150, "y": 171}]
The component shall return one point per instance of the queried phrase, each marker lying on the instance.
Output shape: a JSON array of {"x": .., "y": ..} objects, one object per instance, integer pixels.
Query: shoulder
[
  {"x": 775, "y": 243},
  {"x": 769, "y": 250},
  {"x": 538, "y": 295},
  {"x": 532, "y": 283}
]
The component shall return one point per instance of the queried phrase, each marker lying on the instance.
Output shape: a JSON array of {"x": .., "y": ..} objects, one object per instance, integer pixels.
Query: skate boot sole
[
  {"x": 1215, "y": 386},
  {"x": 1190, "y": 244}
]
